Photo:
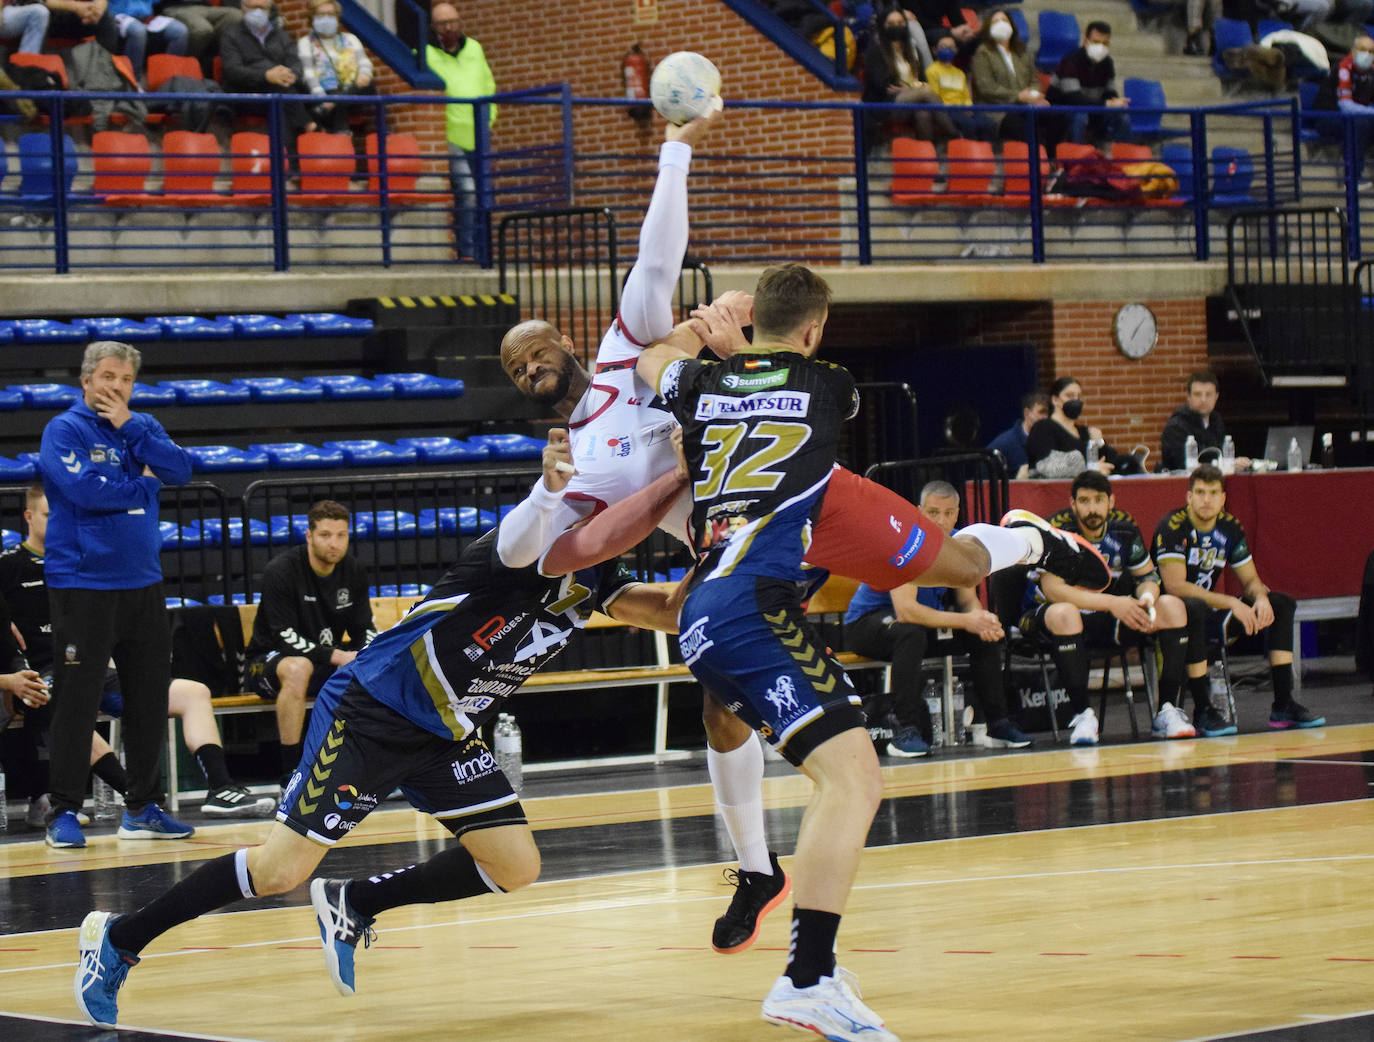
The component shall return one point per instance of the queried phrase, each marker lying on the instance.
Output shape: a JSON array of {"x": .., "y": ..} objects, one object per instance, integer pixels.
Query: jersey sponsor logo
[
  {"x": 72, "y": 657},
  {"x": 693, "y": 640},
  {"x": 482, "y": 687},
  {"x": 789, "y": 403},
  {"x": 343, "y": 598},
  {"x": 755, "y": 382},
  {"x": 783, "y": 696},
  {"x": 911, "y": 548},
  {"x": 542, "y": 639},
  {"x": 326, "y": 637},
  {"x": 36, "y": 582},
  {"x": 97, "y": 455},
  {"x": 474, "y": 767},
  {"x": 473, "y": 703},
  {"x": 334, "y": 820},
  {"x": 733, "y": 506},
  {"x": 619, "y": 445},
  {"x": 494, "y": 629},
  {"x": 895, "y": 523}
]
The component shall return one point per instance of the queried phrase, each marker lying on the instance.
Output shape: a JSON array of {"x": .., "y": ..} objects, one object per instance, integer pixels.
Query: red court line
[
  {"x": 1346, "y": 958},
  {"x": 1065, "y": 953},
  {"x": 1257, "y": 956},
  {"x": 1157, "y": 955},
  {"x": 966, "y": 951}
]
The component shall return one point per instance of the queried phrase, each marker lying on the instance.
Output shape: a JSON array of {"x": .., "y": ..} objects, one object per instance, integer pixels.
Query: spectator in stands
[
  {"x": 1196, "y": 416},
  {"x": 1075, "y": 620},
  {"x": 1057, "y": 447},
  {"x": 25, "y": 21},
  {"x": 314, "y": 617},
  {"x": 1003, "y": 74},
  {"x": 939, "y": 18},
  {"x": 260, "y": 58},
  {"x": 205, "y": 25},
  {"x": 333, "y": 62},
  {"x": 77, "y": 19},
  {"x": 1087, "y": 76},
  {"x": 1192, "y": 547},
  {"x": 1200, "y": 14},
  {"x": 950, "y": 83},
  {"x": 892, "y": 73},
  {"x": 1011, "y": 443},
  {"x": 137, "y": 24},
  {"x": 460, "y": 62},
  {"x": 103, "y": 468},
  {"x": 908, "y": 623},
  {"x": 24, "y": 589},
  {"x": 1350, "y": 89}
]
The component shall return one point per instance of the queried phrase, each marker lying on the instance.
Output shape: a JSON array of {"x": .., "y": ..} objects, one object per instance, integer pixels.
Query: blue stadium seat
[
  {"x": 194, "y": 327},
  {"x": 353, "y": 387},
  {"x": 207, "y": 392},
  {"x": 234, "y": 598},
  {"x": 326, "y": 323},
  {"x": 209, "y": 532},
  {"x": 27, "y": 457},
  {"x": 422, "y": 385},
  {"x": 1317, "y": 124},
  {"x": 281, "y": 529},
  {"x": 146, "y": 395},
  {"x": 36, "y": 182},
  {"x": 440, "y": 449},
  {"x": 182, "y": 602},
  {"x": 6, "y": 331},
  {"x": 291, "y": 455},
  {"x": 1180, "y": 159},
  {"x": 126, "y": 329},
  {"x": 47, "y": 330},
  {"x": 47, "y": 396},
  {"x": 403, "y": 590},
  {"x": 15, "y": 470},
  {"x": 1228, "y": 33},
  {"x": 1059, "y": 34},
  {"x": 264, "y": 325},
  {"x": 171, "y": 534},
  {"x": 1233, "y": 173},
  {"x": 511, "y": 446},
  {"x": 1018, "y": 19},
  {"x": 385, "y": 524},
  {"x": 9, "y": 538},
  {"x": 452, "y": 520},
  {"x": 279, "y": 389},
  {"x": 1146, "y": 126},
  {"x": 368, "y": 452},
  {"x": 10, "y": 400}
]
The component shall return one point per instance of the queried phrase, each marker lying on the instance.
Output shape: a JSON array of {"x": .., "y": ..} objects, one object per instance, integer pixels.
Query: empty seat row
[
  {"x": 280, "y": 529},
  {"x": 384, "y": 590},
  {"x": 180, "y": 327}
]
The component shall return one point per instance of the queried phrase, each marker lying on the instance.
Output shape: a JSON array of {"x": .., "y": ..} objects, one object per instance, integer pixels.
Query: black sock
[
  {"x": 813, "y": 946},
  {"x": 109, "y": 770},
  {"x": 290, "y": 756},
  {"x": 449, "y": 875},
  {"x": 1201, "y": 690},
  {"x": 211, "y": 759},
  {"x": 1071, "y": 659},
  {"x": 1282, "y": 676},
  {"x": 213, "y": 885},
  {"x": 1173, "y": 646}
]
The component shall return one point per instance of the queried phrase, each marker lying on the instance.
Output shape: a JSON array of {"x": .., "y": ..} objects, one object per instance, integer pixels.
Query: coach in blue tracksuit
[{"x": 102, "y": 467}]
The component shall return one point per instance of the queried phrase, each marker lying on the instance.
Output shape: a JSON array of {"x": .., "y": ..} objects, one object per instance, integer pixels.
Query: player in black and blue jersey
[
  {"x": 406, "y": 713},
  {"x": 1192, "y": 547}
]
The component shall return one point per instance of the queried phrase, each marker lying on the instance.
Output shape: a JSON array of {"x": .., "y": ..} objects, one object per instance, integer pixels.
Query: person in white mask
[
  {"x": 1004, "y": 74},
  {"x": 1087, "y": 76},
  {"x": 333, "y": 62},
  {"x": 1350, "y": 89}
]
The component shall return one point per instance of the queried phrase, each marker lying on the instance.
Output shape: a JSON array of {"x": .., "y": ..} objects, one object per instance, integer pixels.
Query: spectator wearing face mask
[
  {"x": 1087, "y": 76},
  {"x": 333, "y": 62},
  {"x": 949, "y": 81},
  {"x": 1003, "y": 74},
  {"x": 1350, "y": 89},
  {"x": 1057, "y": 446},
  {"x": 260, "y": 58},
  {"x": 892, "y": 74}
]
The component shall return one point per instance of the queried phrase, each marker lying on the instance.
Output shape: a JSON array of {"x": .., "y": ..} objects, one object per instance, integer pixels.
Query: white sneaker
[
  {"x": 832, "y": 1008},
  {"x": 1172, "y": 722},
  {"x": 1084, "y": 728}
]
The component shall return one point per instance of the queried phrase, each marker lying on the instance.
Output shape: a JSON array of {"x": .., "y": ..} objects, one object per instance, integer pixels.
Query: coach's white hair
[{"x": 99, "y": 349}]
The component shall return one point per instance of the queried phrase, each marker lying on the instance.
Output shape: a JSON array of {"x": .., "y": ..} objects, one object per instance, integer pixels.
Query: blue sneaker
[
  {"x": 101, "y": 971},
  {"x": 153, "y": 823},
  {"x": 1295, "y": 715},
  {"x": 1210, "y": 723},
  {"x": 341, "y": 929},
  {"x": 65, "y": 831},
  {"x": 908, "y": 743}
]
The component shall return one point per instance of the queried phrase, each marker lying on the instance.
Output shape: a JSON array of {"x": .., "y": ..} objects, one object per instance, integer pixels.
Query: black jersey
[
  {"x": 26, "y": 593},
  {"x": 302, "y": 613},
  {"x": 1205, "y": 554},
  {"x": 1123, "y": 547},
  {"x": 479, "y": 634},
  {"x": 760, "y": 432}
]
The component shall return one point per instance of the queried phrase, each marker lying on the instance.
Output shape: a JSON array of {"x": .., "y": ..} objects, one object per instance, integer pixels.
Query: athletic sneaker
[
  {"x": 908, "y": 743},
  {"x": 756, "y": 895},
  {"x": 152, "y": 822},
  {"x": 101, "y": 971},
  {"x": 1065, "y": 554},
  {"x": 236, "y": 801},
  {"x": 1295, "y": 715},
  {"x": 1083, "y": 728},
  {"x": 1172, "y": 722},
  {"x": 65, "y": 832},
  {"x": 1211, "y": 724},
  {"x": 1002, "y": 734},
  {"x": 832, "y": 1008},
  {"x": 341, "y": 929}
]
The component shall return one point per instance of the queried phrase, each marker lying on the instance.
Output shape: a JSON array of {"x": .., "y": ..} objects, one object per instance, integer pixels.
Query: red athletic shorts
[{"x": 868, "y": 532}]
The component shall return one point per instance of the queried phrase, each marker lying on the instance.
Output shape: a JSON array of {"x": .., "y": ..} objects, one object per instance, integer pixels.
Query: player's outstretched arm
[
  {"x": 682, "y": 342},
  {"x": 527, "y": 531},
  {"x": 649, "y": 605},
  {"x": 616, "y": 529}
]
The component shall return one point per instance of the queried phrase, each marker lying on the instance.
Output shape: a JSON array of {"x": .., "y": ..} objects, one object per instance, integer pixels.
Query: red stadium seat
[
  {"x": 1016, "y": 184},
  {"x": 49, "y": 62},
  {"x": 122, "y": 163},
  {"x": 404, "y": 163},
  {"x": 190, "y": 164},
  {"x": 971, "y": 167},
  {"x": 162, "y": 67},
  {"x": 327, "y": 166},
  {"x": 914, "y": 169},
  {"x": 251, "y": 170}
]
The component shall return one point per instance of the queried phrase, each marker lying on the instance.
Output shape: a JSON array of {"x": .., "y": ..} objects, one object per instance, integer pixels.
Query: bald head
[{"x": 539, "y": 361}]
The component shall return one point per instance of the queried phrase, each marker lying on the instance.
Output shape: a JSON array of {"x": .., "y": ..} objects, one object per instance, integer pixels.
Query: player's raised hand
[
  {"x": 692, "y": 133},
  {"x": 557, "y": 461},
  {"x": 718, "y": 329}
]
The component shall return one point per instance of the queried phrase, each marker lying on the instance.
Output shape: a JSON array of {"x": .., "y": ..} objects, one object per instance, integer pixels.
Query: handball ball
[{"x": 683, "y": 86}]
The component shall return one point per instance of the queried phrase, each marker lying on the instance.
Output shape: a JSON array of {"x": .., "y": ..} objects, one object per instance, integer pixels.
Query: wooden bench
[{"x": 1310, "y": 610}]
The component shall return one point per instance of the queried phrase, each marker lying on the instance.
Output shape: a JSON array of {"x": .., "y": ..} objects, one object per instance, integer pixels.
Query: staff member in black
[{"x": 314, "y": 617}]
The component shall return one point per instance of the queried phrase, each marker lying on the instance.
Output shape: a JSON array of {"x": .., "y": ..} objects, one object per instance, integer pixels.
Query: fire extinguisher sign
[{"x": 646, "y": 12}]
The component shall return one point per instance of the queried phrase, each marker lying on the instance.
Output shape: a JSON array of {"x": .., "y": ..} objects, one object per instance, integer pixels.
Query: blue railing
[{"x": 257, "y": 203}]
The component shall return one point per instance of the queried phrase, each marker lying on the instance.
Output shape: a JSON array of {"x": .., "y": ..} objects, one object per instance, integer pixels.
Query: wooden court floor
[{"x": 1159, "y": 891}]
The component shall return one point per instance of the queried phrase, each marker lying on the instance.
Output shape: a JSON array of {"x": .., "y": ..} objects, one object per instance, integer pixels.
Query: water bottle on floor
[
  {"x": 937, "y": 710},
  {"x": 509, "y": 750},
  {"x": 108, "y": 804},
  {"x": 956, "y": 699}
]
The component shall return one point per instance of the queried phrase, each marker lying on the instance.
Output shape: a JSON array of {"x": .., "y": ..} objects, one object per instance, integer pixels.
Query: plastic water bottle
[
  {"x": 4, "y": 803},
  {"x": 1294, "y": 455},
  {"x": 1216, "y": 685},
  {"x": 937, "y": 710},
  {"x": 1091, "y": 454},
  {"x": 1328, "y": 450},
  {"x": 957, "y": 702},
  {"x": 1228, "y": 456},
  {"x": 1190, "y": 454},
  {"x": 108, "y": 804},
  {"x": 510, "y": 751}
]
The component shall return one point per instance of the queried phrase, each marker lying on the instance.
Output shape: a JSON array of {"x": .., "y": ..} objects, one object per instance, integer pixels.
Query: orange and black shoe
[
  {"x": 756, "y": 895},
  {"x": 1065, "y": 554}
]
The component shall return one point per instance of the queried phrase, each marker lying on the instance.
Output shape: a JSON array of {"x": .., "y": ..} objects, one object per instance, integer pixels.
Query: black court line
[
  {"x": 59, "y": 900},
  {"x": 1359, "y": 1028},
  {"x": 38, "y": 1029}
]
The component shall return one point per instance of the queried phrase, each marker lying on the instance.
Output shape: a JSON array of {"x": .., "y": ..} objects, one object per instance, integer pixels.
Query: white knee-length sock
[
  {"x": 737, "y": 777},
  {"x": 1006, "y": 546}
]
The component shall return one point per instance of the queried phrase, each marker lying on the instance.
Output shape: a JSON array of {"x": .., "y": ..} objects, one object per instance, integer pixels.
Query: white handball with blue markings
[{"x": 684, "y": 86}]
